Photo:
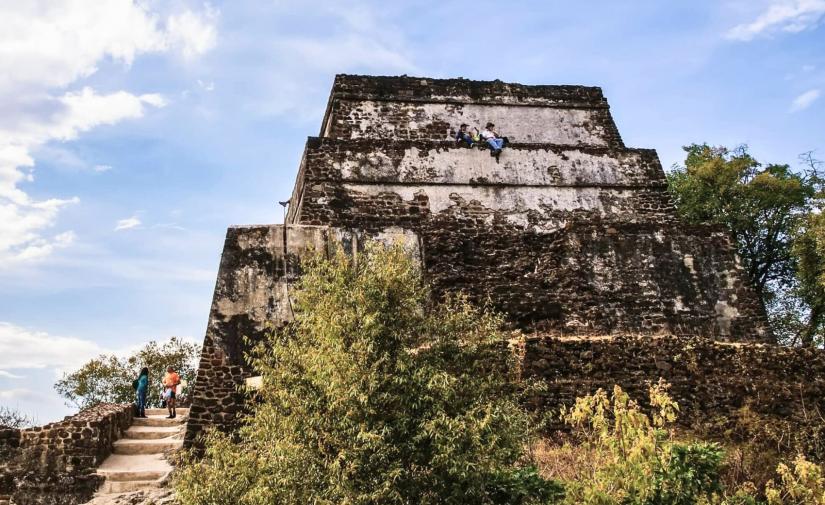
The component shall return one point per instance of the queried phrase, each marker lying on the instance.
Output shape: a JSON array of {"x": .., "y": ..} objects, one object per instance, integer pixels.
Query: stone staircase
[{"x": 139, "y": 461}]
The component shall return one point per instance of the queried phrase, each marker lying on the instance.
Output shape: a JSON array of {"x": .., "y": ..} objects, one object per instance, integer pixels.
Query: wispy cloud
[
  {"x": 8, "y": 375},
  {"x": 22, "y": 348},
  {"x": 805, "y": 100},
  {"x": 790, "y": 16},
  {"x": 195, "y": 33},
  {"x": 127, "y": 224},
  {"x": 46, "y": 49}
]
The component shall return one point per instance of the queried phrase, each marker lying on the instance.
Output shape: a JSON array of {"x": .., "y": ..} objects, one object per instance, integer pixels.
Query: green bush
[
  {"x": 639, "y": 461},
  {"x": 801, "y": 484},
  {"x": 375, "y": 394}
]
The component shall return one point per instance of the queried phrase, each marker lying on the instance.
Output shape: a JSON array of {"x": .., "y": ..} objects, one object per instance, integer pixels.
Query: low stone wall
[
  {"x": 767, "y": 393},
  {"x": 9, "y": 450},
  {"x": 55, "y": 464}
]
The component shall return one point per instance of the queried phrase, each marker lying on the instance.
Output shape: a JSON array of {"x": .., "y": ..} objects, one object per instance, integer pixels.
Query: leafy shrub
[
  {"x": 640, "y": 462},
  {"x": 375, "y": 394},
  {"x": 801, "y": 484}
]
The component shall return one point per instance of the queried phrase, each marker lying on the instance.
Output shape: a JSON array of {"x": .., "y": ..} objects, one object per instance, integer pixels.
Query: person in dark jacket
[
  {"x": 463, "y": 135},
  {"x": 142, "y": 388}
]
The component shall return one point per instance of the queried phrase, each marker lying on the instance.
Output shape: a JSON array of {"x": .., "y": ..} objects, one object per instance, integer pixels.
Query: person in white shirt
[{"x": 496, "y": 141}]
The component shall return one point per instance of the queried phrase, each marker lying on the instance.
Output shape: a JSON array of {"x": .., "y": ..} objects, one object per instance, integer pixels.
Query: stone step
[
  {"x": 134, "y": 463},
  {"x": 157, "y": 412},
  {"x": 158, "y": 421},
  {"x": 132, "y": 472},
  {"x": 152, "y": 432},
  {"x": 127, "y": 486},
  {"x": 130, "y": 475},
  {"x": 137, "y": 446}
]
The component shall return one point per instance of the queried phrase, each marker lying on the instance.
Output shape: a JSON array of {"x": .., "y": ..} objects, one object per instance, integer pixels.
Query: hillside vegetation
[{"x": 377, "y": 394}]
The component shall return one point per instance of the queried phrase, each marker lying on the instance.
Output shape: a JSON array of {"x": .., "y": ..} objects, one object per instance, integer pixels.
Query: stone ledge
[
  {"x": 460, "y": 90},
  {"x": 367, "y": 145}
]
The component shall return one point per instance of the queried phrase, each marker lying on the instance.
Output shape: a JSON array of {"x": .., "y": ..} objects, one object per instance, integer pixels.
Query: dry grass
[
  {"x": 746, "y": 466},
  {"x": 565, "y": 460}
]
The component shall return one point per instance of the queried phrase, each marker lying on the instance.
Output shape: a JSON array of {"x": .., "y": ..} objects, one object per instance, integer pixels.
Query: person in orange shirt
[{"x": 170, "y": 383}]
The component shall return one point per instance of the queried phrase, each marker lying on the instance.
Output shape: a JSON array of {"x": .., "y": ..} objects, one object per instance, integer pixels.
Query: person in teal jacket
[{"x": 142, "y": 388}]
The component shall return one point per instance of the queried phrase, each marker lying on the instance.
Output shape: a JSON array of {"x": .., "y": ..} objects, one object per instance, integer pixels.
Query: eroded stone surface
[
  {"x": 568, "y": 232},
  {"x": 711, "y": 381}
]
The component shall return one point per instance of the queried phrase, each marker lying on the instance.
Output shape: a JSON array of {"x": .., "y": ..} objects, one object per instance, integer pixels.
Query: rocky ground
[{"x": 145, "y": 497}]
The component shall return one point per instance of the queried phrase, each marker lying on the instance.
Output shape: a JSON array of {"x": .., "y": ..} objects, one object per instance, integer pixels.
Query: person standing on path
[
  {"x": 142, "y": 387},
  {"x": 170, "y": 382}
]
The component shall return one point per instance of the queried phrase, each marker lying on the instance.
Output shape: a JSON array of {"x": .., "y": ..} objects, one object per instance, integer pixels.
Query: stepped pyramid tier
[{"x": 567, "y": 232}]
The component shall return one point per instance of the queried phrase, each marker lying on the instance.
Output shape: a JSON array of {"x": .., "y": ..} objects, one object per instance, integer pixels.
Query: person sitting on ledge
[
  {"x": 462, "y": 135},
  {"x": 496, "y": 141}
]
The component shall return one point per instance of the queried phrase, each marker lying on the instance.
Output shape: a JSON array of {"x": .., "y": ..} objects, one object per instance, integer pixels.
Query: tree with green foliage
[
  {"x": 375, "y": 394},
  {"x": 809, "y": 252},
  {"x": 109, "y": 377},
  {"x": 763, "y": 207}
]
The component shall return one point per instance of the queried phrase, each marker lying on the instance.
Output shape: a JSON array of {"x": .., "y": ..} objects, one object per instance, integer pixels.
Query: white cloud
[
  {"x": 22, "y": 219},
  {"x": 206, "y": 86},
  {"x": 8, "y": 375},
  {"x": 791, "y": 16},
  {"x": 194, "y": 33},
  {"x": 44, "y": 48},
  {"x": 21, "y": 348},
  {"x": 128, "y": 223},
  {"x": 805, "y": 100},
  {"x": 101, "y": 168}
]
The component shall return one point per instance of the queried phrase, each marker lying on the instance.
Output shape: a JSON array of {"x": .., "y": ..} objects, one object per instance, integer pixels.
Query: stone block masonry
[
  {"x": 250, "y": 297},
  {"x": 717, "y": 385},
  {"x": 569, "y": 232},
  {"x": 55, "y": 464}
]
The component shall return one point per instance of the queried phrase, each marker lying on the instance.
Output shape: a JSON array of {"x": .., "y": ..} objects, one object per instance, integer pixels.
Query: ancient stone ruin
[{"x": 570, "y": 234}]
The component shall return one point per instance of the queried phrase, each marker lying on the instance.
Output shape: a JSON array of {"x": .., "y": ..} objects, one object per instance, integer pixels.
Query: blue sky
[{"x": 133, "y": 133}]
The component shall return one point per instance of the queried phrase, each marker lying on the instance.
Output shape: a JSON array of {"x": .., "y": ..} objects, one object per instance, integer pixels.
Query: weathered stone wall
[
  {"x": 430, "y": 162},
  {"x": 712, "y": 381},
  {"x": 568, "y": 231},
  {"x": 558, "y": 238},
  {"x": 596, "y": 278},
  {"x": 258, "y": 265},
  {"x": 9, "y": 451},
  {"x": 56, "y": 463},
  {"x": 409, "y": 108},
  {"x": 250, "y": 295}
]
